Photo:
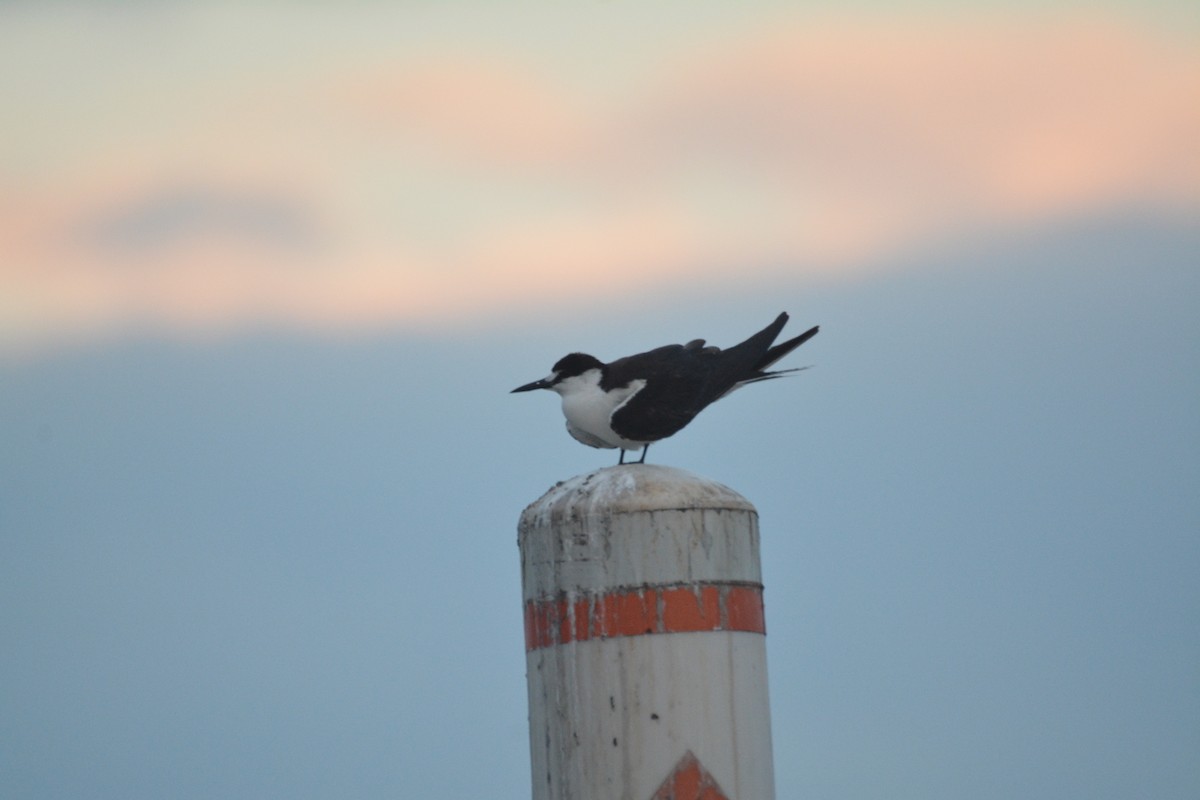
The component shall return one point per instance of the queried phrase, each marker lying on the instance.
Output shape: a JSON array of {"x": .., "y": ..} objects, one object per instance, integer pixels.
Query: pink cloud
[
  {"x": 992, "y": 119},
  {"x": 431, "y": 189}
]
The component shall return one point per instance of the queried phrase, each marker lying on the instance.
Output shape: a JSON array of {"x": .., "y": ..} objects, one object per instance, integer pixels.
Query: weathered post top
[
  {"x": 637, "y": 525},
  {"x": 644, "y": 625},
  {"x": 634, "y": 487}
]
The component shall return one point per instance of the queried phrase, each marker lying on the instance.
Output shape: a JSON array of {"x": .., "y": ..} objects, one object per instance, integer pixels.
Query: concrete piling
[{"x": 645, "y": 639}]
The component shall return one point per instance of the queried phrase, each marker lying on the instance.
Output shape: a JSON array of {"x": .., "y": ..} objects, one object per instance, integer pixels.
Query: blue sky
[
  {"x": 280, "y": 566},
  {"x": 260, "y": 472}
]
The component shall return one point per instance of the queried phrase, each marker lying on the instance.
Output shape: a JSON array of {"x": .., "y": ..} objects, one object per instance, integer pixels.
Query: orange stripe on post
[
  {"x": 691, "y": 609},
  {"x": 629, "y": 613},
  {"x": 744, "y": 609},
  {"x": 646, "y": 610}
]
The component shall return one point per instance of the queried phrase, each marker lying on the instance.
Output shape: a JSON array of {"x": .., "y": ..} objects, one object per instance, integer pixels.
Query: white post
[{"x": 644, "y": 635}]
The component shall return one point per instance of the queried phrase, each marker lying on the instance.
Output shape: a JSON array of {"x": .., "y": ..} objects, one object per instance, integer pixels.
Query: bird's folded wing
[{"x": 660, "y": 408}]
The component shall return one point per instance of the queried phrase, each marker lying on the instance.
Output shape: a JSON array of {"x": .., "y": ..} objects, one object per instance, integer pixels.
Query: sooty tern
[{"x": 637, "y": 400}]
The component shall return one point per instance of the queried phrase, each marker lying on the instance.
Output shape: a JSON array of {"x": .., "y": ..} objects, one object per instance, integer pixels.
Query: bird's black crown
[{"x": 576, "y": 364}]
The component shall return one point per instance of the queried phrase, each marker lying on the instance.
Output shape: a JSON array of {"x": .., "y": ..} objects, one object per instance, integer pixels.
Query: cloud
[
  {"x": 926, "y": 127},
  {"x": 420, "y": 188},
  {"x": 177, "y": 217},
  {"x": 467, "y": 108}
]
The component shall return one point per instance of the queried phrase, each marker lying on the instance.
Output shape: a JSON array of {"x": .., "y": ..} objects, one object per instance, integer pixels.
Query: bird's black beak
[{"x": 529, "y": 387}]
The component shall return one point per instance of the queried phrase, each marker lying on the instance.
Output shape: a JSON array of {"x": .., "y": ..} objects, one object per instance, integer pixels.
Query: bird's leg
[
  {"x": 622, "y": 459},
  {"x": 642, "y": 460}
]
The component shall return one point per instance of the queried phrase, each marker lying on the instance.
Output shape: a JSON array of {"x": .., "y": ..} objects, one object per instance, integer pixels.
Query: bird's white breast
[{"x": 588, "y": 409}]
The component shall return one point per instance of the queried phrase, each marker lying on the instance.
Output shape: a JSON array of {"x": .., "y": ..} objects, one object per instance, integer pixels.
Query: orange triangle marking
[{"x": 689, "y": 781}]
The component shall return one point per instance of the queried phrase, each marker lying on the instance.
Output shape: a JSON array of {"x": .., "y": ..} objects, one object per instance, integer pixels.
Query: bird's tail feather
[
  {"x": 766, "y": 376},
  {"x": 748, "y": 362},
  {"x": 783, "y": 348},
  {"x": 758, "y": 343}
]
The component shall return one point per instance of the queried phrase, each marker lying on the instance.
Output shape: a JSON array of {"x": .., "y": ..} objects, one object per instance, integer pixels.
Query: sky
[{"x": 268, "y": 272}]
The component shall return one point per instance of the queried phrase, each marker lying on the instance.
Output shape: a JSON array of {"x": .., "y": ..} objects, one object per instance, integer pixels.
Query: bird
[{"x": 637, "y": 400}]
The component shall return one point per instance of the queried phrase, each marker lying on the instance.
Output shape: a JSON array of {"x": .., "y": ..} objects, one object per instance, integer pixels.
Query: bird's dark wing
[
  {"x": 689, "y": 377},
  {"x": 668, "y": 402},
  {"x": 741, "y": 361}
]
